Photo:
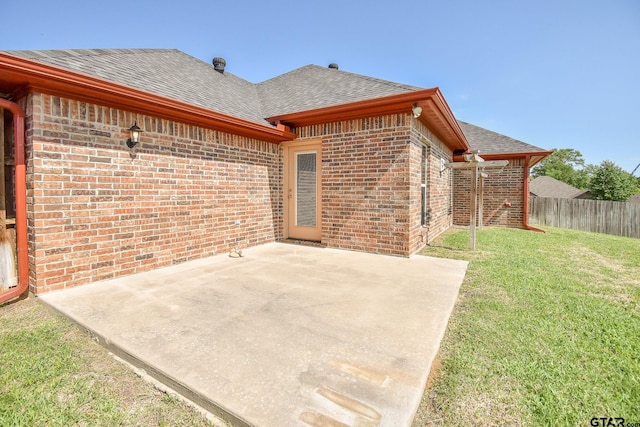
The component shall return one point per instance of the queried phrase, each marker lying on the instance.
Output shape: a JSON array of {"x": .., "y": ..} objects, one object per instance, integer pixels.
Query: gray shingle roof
[
  {"x": 179, "y": 76},
  {"x": 176, "y": 75},
  {"x": 489, "y": 142},
  {"x": 166, "y": 72},
  {"x": 312, "y": 87},
  {"x": 546, "y": 186}
]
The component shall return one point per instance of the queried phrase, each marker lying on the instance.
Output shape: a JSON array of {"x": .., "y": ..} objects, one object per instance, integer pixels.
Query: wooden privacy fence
[{"x": 599, "y": 216}]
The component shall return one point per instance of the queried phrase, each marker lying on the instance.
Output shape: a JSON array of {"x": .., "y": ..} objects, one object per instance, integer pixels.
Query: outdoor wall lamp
[
  {"x": 135, "y": 135},
  {"x": 417, "y": 110}
]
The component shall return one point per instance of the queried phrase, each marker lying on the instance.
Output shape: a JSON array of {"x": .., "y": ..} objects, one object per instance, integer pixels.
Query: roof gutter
[
  {"x": 436, "y": 114},
  {"x": 44, "y": 78},
  {"x": 20, "y": 200}
]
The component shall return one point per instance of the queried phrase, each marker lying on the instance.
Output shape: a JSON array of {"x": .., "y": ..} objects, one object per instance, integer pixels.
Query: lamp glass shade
[
  {"x": 135, "y": 132},
  {"x": 417, "y": 110}
]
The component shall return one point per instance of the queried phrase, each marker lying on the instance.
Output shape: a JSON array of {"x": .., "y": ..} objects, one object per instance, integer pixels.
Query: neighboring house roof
[
  {"x": 546, "y": 186},
  {"x": 635, "y": 199}
]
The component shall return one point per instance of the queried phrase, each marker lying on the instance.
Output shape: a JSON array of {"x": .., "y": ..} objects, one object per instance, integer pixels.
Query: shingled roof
[
  {"x": 546, "y": 186},
  {"x": 312, "y": 87},
  {"x": 489, "y": 142},
  {"x": 166, "y": 72},
  {"x": 176, "y": 75}
]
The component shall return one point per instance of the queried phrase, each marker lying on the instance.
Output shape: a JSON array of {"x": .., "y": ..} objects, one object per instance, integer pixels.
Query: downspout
[
  {"x": 21, "y": 201},
  {"x": 525, "y": 196}
]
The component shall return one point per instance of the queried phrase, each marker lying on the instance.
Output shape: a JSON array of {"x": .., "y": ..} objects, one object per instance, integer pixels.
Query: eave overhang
[
  {"x": 436, "y": 114},
  {"x": 19, "y": 75}
]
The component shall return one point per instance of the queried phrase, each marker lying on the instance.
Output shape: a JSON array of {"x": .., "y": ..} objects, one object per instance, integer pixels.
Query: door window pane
[{"x": 306, "y": 176}]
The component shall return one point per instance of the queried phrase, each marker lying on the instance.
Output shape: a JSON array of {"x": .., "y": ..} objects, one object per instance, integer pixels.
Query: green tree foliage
[
  {"x": 611, "y": 182},
  {"x": 582, "y": 177},
  {"x": 566, "y": 165}
]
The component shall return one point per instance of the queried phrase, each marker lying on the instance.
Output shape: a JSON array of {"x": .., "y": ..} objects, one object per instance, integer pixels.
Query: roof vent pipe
[
  {"x": 219, "y": 64},
  {"x": 333, "y": 66}
]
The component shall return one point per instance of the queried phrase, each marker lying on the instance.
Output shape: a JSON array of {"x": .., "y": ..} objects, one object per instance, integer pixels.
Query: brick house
[{"x": 317, "y": 153}]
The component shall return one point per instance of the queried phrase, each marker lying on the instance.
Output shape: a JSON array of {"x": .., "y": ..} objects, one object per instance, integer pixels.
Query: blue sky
[{"x": 555, "y": 74}]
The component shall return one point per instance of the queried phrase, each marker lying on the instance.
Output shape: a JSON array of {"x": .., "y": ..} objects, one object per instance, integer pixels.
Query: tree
[
  {"x": 566, "y": 165},
  {"x": 611, "y": 182},
  {"x": 582, "y": 177}
]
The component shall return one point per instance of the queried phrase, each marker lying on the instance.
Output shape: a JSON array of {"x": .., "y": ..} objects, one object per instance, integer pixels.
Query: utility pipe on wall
[{"x": 21, "y": 201}]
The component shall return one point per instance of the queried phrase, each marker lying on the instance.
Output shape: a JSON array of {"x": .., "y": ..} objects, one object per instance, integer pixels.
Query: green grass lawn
[
  {"x": 546, "y": 331},
  {"x": 52, "y": 374}
]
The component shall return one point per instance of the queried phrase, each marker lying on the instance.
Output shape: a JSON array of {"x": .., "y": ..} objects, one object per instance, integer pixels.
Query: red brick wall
[
  {"x": 499, "y": 187},
  {"x": 439, "y": 194},
  {"x": 371, "y": 184},
  {"x": 439, "y": 189},
  {"x": 95, "y": 211},
  {"x": 365, "y": 183},
  {"x": 98, "y": 210}
]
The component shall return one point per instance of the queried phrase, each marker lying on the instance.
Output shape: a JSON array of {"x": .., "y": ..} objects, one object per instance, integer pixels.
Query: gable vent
[{"x": 219, "y": 64}]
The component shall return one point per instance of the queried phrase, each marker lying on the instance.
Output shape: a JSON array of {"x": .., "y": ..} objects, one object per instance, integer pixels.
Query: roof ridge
[
  {"x": 379, "y": 80},
  {"x": 285, "y": 74}
]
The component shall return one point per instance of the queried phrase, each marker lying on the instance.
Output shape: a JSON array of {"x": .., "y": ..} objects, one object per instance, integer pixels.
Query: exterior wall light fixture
[
  {"x": 135, "y": 135},
  {"x": 417, "y": 110}
]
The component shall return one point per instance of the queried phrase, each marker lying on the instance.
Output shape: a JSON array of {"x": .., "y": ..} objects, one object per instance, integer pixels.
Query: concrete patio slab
[{"x": 288, "y": 335}]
